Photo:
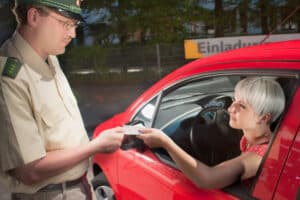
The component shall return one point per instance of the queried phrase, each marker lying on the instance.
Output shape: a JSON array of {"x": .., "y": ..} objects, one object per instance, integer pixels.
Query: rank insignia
[{"x": 12, "y": 67}]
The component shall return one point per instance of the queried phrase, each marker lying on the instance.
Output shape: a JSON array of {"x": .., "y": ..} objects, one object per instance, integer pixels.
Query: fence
[{"x": 158, "y": 58}]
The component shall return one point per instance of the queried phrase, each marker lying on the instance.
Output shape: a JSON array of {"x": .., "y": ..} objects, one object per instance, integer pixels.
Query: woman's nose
[{"x": 231, "y": 108}]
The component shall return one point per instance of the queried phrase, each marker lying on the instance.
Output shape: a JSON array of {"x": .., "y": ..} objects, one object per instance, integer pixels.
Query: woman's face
[{"x": 242, "y": 115}]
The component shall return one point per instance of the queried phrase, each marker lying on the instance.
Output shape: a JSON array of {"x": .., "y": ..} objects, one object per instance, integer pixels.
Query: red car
[{"x": 189, "y": 105}]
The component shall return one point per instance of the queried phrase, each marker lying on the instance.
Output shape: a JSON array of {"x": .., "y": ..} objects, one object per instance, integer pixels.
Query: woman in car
[{"x": 258, "y": 101}]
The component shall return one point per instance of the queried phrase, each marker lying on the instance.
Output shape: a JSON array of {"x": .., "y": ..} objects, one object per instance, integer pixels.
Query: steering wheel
[{"x": 211, "y": 137}]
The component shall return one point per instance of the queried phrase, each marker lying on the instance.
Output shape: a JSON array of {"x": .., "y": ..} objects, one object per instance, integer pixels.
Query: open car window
[{"x": 186, "y": 103}]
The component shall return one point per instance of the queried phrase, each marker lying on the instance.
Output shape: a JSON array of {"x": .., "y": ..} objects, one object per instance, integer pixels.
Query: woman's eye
[{"x": 242, "y": 106}]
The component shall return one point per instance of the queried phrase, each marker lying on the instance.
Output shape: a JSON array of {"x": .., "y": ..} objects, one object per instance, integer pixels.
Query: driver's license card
[{"x": 132, "y": 130}]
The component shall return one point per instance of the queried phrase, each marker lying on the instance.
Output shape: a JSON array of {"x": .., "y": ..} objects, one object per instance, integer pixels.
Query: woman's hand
[{"x": 153, "y": 137}]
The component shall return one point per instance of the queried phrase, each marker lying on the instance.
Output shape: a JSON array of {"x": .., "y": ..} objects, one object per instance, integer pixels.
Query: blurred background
[{"x": 127, "y": 45}]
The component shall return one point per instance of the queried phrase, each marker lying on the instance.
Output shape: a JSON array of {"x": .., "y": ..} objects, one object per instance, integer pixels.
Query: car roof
[
  {"x": 285, "y": 51},
  {"x": 275, "y": 51}
]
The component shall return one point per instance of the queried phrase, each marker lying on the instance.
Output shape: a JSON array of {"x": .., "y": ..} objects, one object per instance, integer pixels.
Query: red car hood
[{"x": 117, "y": 120}]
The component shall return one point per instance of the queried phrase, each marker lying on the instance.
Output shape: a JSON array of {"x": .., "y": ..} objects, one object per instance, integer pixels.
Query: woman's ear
[{"x": 265, "y": 119}]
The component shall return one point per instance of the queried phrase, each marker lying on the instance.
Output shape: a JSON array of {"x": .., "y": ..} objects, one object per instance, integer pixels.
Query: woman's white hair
[{"x": 263, "y": 94}]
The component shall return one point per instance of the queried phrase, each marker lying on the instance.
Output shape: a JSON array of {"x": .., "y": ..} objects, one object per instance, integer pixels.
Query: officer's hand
[{"x": 109, "y": 140}]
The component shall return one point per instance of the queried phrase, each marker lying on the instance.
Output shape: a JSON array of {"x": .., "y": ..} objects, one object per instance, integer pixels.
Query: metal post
[{"x": 158, "y": 59}]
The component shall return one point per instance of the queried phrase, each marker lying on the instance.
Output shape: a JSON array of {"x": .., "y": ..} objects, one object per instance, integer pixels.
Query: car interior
[{"x": 196, "y": 118}]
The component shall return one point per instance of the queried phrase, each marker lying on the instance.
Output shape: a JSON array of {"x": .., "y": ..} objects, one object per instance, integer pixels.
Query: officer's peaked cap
[{"x": 67, "y": 8}]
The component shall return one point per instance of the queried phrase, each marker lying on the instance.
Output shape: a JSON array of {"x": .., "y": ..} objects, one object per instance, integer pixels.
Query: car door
[
  {"x": 279, "y": 176},
  {"x": 290, "y": 175}
]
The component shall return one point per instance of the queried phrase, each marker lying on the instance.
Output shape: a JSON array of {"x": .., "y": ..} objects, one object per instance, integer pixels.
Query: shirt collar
[{"x": 30, "y": 56}]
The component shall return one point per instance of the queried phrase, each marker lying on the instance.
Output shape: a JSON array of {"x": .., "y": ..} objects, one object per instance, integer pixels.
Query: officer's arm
[{"x": 56, "y": 162}]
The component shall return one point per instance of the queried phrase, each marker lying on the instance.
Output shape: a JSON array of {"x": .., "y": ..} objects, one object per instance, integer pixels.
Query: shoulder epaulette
[{"x": 12, "y": 67}]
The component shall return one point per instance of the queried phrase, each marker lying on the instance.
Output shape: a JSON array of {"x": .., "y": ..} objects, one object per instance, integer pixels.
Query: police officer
[{"x": 44, "y": 148}]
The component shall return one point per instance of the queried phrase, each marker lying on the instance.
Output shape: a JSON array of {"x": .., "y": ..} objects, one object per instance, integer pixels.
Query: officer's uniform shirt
[{"x": 38, "y": 114}]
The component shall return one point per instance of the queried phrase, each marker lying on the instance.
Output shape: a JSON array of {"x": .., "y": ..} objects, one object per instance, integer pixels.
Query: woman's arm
[{"x": 202, "y": 175}]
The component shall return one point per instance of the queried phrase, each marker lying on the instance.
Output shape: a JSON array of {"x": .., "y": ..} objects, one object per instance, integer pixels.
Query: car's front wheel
[{"x": 102, "y": 188}]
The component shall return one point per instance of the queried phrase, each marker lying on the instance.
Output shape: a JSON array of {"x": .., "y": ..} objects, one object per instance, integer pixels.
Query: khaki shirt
[{"x": 39, "y": 113}]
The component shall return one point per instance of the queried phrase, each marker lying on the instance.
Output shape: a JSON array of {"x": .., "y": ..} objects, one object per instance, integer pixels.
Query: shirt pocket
[
  {"x": 55, "y": 126},
  {"x": 53, "y": 115}
]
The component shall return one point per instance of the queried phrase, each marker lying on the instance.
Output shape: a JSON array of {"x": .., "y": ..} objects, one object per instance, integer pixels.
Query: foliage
[
  {"x": 152, "y": 21},
  {"x": 81, "y": 58},
  {"x": 168, "y": 21}
]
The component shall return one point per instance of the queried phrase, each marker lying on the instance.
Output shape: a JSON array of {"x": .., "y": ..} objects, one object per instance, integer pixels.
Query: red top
[{"x": 259, "y": 149}]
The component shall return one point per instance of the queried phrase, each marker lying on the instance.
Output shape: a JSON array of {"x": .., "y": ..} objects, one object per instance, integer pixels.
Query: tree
[
  {"x": 244, "y": 10},
  {"x": 154, "y": 21},
  {"x": 168, "y": 21},
  {"x": 219, "y": 25}
]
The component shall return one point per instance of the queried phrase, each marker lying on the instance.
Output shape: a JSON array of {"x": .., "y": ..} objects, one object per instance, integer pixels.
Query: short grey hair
[{"x": 263, "y": 94}]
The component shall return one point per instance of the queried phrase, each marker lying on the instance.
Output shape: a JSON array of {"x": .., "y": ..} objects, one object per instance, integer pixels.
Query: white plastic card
[{"x": 132, "y": 130}]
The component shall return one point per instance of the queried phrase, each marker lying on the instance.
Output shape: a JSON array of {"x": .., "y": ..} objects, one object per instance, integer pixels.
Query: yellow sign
[
  {"x": 191, "y": 49},
  {"x": 200, "y": 48}
]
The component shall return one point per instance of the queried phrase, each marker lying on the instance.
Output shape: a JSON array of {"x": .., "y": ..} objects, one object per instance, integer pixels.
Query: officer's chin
[{"x": 59, "y": 51}]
